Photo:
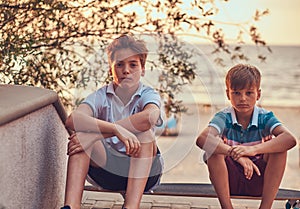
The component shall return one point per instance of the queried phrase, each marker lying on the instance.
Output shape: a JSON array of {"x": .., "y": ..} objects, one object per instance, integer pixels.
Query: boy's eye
[
  {"x": 119, "y": 64},
  {"x": 249, "y": 93},
  {"x": 236, "y": 93},
  {"x": 133, "y": 64}
]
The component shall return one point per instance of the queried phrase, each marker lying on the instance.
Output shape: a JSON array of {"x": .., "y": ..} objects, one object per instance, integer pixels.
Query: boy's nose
[
  {"x": 126, "y": 69},
  {"x": 243, "y": 96}
]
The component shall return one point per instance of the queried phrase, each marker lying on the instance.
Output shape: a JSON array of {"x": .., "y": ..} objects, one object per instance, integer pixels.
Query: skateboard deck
[
  {"x": 207, "y": 190},
  {"x": 203, "y": 190}
]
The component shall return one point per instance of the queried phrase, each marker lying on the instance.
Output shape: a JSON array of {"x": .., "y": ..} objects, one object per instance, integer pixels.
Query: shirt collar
[
  {"x": 110, "y": 89},
  {"x": 254, "y": 121}
]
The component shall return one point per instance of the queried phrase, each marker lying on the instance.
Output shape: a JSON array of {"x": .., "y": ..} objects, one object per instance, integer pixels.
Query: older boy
[
  {"x": 246, "y": 146},
  {"x": 113, "y": 141}
]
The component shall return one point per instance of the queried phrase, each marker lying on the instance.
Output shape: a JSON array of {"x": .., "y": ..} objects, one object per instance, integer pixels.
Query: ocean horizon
[{"x": 280, "y": 75}]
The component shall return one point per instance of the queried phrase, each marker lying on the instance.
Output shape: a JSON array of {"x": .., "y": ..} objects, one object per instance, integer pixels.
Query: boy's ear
[
  {"x": 227, "y": 94},
  {"x": 143, "y": 71},
  {"x": 258, "y": 94}
]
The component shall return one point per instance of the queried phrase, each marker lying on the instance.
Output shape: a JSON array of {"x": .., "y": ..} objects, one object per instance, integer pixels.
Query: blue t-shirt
[
  {"x": 107, "y": 106},
  {"x": 259, "y": 129}
]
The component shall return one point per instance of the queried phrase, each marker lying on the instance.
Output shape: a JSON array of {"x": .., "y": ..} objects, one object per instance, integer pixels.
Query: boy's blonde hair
[
  {"x": 127, "y": 41},
  {"x": 243, "y": 76}
]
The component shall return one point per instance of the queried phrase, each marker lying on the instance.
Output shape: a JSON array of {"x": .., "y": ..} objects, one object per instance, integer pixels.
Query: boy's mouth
[
  {"x": 243, "y": 105},
  {"x": 126, "y": 78}
]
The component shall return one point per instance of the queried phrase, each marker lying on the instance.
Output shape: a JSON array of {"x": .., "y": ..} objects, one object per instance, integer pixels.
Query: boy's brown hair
[
  {"x": 243, "y": 76},
  {"x": 128, "y": 41}
]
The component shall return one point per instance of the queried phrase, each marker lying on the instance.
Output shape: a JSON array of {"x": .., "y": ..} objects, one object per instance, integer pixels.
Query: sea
[{"x": 279, "y": 66}]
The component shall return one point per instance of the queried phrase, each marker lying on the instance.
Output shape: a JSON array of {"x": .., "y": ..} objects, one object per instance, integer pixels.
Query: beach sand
[{"x": 183, "y": 160}]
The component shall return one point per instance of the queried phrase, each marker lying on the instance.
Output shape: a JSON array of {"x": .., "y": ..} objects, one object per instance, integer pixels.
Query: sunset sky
[{"x": 280, "y": 26}]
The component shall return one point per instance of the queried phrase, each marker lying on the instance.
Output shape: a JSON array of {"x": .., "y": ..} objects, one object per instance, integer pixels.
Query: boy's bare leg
[
  {"x": 272, "y": 178},
  {"x": 139, "y": 171},
  {"x": 77, "y": 169},
  {"x": 78, "y": 165},
  {"x": 219, "y": 177}
]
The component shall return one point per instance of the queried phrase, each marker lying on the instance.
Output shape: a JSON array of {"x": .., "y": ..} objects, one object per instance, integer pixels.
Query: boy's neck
[
  {"x": 244, "y": 118},
  {"x": 125, "y": 94}
]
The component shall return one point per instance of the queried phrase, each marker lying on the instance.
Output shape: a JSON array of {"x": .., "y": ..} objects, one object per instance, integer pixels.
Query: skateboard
[{"x": 207, "y": 190}]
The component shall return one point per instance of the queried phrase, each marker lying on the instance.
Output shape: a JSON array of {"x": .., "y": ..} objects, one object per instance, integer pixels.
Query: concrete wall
[{"x": 33, "y": 158}]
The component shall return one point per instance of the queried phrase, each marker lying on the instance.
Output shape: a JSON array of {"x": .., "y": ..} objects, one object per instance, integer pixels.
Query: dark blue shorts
[
  {"x": 114, "y": 175},
  {"x": 238, "y": 183}
]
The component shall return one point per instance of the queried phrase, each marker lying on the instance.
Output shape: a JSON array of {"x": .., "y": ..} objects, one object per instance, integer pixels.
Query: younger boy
[
  {"x": 113, "y": 142},
  {"x": 246, "y": 146}
]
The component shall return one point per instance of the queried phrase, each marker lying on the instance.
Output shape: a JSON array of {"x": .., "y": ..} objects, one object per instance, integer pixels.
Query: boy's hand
[
  {"x": 248, "y": 166},
  {"x": 74, "y": 145},
  {"x": 239, "y": 151},
  {"x": 132, "y": 144},
  {"x": 78, "y": 142}
]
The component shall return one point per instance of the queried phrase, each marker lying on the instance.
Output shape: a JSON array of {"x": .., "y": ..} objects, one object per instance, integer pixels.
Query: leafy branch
[{"x": 50, "y": 43}]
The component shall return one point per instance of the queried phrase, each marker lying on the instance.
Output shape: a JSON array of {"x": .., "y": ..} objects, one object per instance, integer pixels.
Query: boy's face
[
  {"x": 243, "y": 100},
  {"x": 126, "y": 69}
]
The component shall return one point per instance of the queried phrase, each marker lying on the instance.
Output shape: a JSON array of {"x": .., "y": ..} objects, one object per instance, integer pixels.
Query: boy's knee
[
  {"x": 146, "y": 136},
  {"x": 278, "y": 156},
  {"x": 214, "y": 158}
]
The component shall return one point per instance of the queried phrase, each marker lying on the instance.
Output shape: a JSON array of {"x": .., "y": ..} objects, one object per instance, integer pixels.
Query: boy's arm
[
  {"x": 141, "y": 121},
  {"x": 283, "y": 141},
  {"x": 210, "y": 141},
  {"x": 82, "y": 120}
]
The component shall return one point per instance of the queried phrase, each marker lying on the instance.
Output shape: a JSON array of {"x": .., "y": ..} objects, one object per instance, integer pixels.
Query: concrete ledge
[
  {"x": 17, "y": 101},
  {"x": 33, "y": 140}
]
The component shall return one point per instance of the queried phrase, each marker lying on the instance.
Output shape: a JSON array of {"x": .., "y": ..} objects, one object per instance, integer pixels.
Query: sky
[{"x": 280, "y": 27}]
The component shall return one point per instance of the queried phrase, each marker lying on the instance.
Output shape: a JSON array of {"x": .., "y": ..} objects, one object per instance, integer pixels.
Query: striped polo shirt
[{"x": 259, "y": 129}]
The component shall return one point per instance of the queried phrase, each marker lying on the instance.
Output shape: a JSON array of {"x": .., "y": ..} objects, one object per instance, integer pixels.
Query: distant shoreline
[{"x": 267, "y": 106}]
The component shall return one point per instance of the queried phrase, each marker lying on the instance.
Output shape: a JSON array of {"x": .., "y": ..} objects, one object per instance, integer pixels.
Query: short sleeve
[
  {"x": 271, "y": 122},
  {"x": 91, "y": 101},
  {"x": 150, "y": 96},
  {"x": 218, "y": 122},
  {"x": 96, "y": 101}
]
